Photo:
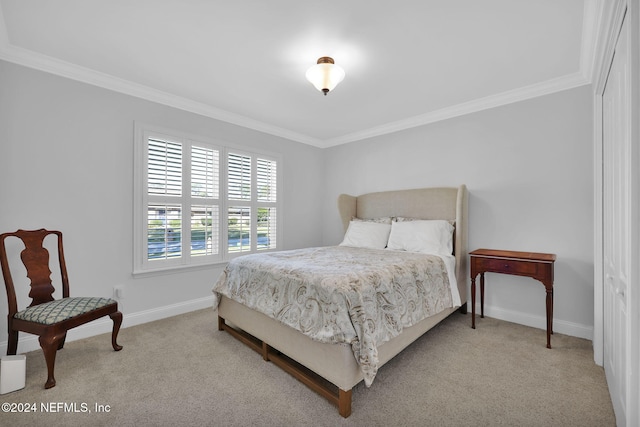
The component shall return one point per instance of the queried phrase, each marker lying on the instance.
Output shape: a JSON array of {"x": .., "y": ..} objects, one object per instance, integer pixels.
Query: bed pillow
[
  {"x": 382, "y": 219},
  {"x": 427, "y": 236},
  {"x": 367, "y": 234},
  {"x": 404, "y": 218}
]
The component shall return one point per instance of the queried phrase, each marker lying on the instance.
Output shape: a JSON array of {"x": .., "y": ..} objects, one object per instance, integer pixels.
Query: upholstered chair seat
[{"x": 63, "y": 309}]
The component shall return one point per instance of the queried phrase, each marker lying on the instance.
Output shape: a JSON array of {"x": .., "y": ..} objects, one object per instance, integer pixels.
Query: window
[
  {"x": 198, "y": 202},
  {"x": 251, "y": 202}
]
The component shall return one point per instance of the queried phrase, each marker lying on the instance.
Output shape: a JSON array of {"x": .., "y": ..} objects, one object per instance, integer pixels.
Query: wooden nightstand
[{"x": 538, "y": 266}]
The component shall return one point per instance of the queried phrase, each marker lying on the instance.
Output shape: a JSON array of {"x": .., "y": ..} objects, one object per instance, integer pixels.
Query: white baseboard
[
  {"x": 28, "y": 342},
  {"x": 560, "y": 326}
]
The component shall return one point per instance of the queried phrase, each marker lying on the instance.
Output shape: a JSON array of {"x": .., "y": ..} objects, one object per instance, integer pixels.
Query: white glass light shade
[{"x": 325, "y": 75}]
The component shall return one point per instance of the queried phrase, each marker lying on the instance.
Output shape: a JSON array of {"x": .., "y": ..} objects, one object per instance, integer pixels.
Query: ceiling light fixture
[{"x": 325, "y": 75}]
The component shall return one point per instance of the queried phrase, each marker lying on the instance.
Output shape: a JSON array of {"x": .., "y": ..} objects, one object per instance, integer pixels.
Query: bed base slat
[
  {"x": 335, "y": 395},
  {"x": 245, "y": 338}
]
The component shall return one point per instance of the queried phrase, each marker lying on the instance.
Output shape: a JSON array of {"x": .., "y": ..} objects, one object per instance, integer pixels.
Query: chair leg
[
  {"x": 117, "y": 321},
  {"x": 61, "y": 345},
  {"x": 49, "y": 344},
  {"x": 12, "y": 345}
]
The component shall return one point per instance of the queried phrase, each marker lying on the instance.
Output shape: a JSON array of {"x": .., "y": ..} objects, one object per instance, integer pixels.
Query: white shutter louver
[
  {"x": 239, "y": 229},
  {"x": 164, "y": 232},
  {"x": 164, "y": 170},
  {"x": 266, "y": 180},
  {"x": 205, "y": 172},
  {"x": 204, "y": 230},
  {"x": 239, "y": 177}
]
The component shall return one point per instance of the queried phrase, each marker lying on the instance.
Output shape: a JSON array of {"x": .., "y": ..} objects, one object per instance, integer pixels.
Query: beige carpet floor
[{"x": 182, "y": 371}]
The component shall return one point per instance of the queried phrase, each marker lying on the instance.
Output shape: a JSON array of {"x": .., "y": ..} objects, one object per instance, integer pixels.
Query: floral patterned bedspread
[{"x": 339, "y": 294}]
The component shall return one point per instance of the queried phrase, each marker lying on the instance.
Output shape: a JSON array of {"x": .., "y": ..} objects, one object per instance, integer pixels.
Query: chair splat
[{"x": 35, "y": 258}]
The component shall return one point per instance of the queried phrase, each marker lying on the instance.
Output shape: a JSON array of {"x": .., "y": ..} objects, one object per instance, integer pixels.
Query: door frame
[{"x": 612, "y": 15}]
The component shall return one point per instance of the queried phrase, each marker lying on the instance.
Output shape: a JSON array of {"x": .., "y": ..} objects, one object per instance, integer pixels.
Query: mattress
[{"x": 344, "y": 295}]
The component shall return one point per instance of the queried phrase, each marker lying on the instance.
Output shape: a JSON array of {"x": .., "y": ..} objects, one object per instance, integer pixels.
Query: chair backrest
[{"x": 35, "y": 258}]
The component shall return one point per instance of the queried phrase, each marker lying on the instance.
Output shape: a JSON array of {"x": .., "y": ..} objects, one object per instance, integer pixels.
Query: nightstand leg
[
  {"x": 473, "y": 302},
  {"x": 551, "y": 310},
  {"x": 549, "y": 316},
  {"x": 482, "y": 295}
]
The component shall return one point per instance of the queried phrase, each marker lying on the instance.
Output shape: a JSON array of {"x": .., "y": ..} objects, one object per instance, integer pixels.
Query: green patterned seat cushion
[{"x": 56, "y": 311}]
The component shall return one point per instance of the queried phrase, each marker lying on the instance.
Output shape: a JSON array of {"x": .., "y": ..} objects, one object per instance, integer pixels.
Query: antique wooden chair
[{"x": 47, "y": 317}]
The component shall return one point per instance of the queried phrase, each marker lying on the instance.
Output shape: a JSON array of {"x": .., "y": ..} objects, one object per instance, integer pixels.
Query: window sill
[{"x": 177, "y": 269}]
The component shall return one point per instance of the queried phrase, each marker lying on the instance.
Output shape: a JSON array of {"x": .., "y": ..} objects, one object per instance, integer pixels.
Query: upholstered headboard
[{"x": 447, "y": 203}]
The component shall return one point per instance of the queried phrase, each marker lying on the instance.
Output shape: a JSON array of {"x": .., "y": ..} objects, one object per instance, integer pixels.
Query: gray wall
[
  {"x": 528, "y": 167},
  {"x": 66, "y": 162}
]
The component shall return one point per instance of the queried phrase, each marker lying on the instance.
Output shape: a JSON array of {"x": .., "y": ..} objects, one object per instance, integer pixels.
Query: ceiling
[{"x": 407, "y": 63}]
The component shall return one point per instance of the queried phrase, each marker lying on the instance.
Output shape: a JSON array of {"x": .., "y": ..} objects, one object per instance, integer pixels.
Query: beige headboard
[{"x": 448, "y": 203}]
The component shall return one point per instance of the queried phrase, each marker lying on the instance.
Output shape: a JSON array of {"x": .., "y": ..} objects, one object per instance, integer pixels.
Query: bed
[{"x": 333, "y": 366}]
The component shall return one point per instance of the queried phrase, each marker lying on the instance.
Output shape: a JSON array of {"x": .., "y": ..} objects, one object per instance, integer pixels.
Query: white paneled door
[{"x": 617, "y": 227}]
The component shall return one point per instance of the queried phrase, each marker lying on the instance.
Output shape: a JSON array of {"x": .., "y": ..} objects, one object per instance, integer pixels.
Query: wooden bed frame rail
[{"x": 335, "y": 395}]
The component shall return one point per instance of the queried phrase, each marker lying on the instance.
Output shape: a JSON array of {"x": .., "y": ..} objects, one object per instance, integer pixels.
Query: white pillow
[
  {"x": 427, "y": 236},
  {"x": 365, "y": 234}
]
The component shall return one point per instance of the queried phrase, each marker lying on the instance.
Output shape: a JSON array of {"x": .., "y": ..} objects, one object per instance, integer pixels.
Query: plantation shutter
[
  {"x": 205, "y": 172},
  {"x": 200, "y": 203},
  {"x": 267, "y": 193},
  {"x": 239, "y": 177},
  {"x": 205, "y": 191},
  {"x": 266, "y": 180},
  {"x": 164, "y": 217},
  {"x": 165, "y": 167}
]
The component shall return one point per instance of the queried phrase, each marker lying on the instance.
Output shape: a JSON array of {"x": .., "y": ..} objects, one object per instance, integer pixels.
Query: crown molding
[
  {"x": 597, "y": 23},
  {"x": 55, "y": 66},
  {"x": 544, "y": 88}
]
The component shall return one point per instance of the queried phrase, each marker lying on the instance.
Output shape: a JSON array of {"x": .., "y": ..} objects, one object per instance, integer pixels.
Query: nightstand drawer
[{"x": 507, "y": 266}]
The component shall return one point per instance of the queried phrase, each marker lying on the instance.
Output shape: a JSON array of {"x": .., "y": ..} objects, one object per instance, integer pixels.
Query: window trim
[{"x": 141, "y": 265}]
